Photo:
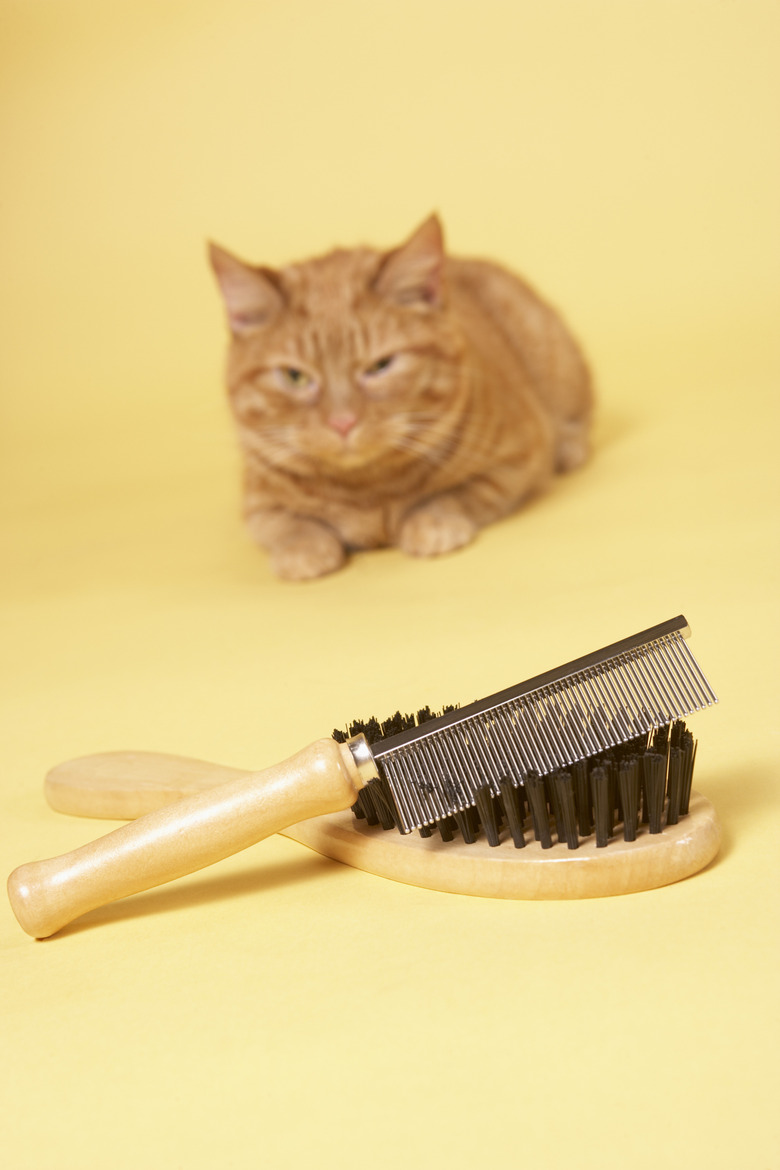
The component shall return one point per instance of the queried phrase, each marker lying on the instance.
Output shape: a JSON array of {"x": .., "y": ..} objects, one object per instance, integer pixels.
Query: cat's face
[{"x": 343, "y": 365}]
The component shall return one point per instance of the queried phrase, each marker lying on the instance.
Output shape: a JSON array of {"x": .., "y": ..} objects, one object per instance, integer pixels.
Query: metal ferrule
[{"x": 364, "y": 760}]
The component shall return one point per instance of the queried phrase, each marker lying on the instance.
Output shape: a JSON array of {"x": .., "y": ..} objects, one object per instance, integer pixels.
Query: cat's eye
[
  {"x": 299, "y": 385},
  {"x": 294, "y": 377},
  {"x": 380, "y": 366}
]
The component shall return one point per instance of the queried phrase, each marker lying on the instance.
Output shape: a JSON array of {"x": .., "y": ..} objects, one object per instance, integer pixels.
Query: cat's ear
[
  {"x": 412, "y": 274},
  {"x": 251, "y": 295}
]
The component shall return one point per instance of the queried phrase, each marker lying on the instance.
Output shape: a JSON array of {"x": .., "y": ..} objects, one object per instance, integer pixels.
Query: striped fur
[{"x": 401, "y": 398}]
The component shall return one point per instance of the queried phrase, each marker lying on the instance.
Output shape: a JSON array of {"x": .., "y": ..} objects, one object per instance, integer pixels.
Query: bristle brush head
[{"x": 583, "y": 747}]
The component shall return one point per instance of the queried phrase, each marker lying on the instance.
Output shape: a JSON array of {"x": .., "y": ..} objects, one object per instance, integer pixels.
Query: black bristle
[
  {"x": 363, "y": 808},
  {"x": 599, "y": 783},
  {"x": 608, "y": 797},
  {"x": 446, "y": 828},
  {"x": 610, "y": 763},
  {"x": 552, "y": 800},
  {"x": 628, "y": 783},
  {"x": 382, "y": 800},
  {"x": 359, "y": 809},
  {"x": 654, "y": 786},
  {"x": 487, "y": 814},
  {"x": 512, "y": 800},
  {"x": 566, "y": 813},
  {"x": 396, "y": 724},
  {"x": 424, "y": 715},
  {"x": 582, "y": 798},
  {"x": 661, "y": 739},
  {"x": 466, "y": 825},
  {"x": 617, "y": 796},
  {"x": 676, "y": 732},
  {"x": 537, "y": 801},
  {"x": 675, "y": 786},
  {"x": 635, "y": 746},
  {"x": 498, "y": 810},
  {"x": 688, "y": 749},
  {"x": 425, "y": 831},
  {"x": 373, "y": 730},
  {"x": 370, "y": 728}
]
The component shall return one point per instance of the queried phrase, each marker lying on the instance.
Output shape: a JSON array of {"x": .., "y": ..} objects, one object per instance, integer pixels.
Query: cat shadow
[
  {"x": 176, "y": 897},
  {"x": 610, "y": 427}
]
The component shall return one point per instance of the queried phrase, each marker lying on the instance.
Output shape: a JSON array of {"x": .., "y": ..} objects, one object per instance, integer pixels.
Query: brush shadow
[{"x": 175, "y": 897}]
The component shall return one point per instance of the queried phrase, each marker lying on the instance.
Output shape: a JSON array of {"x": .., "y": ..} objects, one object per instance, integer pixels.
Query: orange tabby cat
[{"x": 402, "y": 397}]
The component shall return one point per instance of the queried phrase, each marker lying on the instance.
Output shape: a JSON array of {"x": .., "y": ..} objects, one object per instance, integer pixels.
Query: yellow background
[{"x": 280, "y": 1009}]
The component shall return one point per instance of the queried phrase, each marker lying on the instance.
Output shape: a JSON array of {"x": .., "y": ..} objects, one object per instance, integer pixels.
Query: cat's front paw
[
  {"x": 573, "y": 445},
  {"x": 440, "y": 526},
  {"x": 308, "y": 551}
]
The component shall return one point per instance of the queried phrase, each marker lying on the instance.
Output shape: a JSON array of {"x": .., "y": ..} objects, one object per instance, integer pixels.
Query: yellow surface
[{"x": 280, "y": 1009}]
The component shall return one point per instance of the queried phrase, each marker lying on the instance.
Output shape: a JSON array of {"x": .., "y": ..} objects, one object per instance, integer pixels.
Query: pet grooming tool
[{"x": 593, "y": 753}]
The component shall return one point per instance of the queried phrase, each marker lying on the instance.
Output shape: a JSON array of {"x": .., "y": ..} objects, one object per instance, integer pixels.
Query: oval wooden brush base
[
  {"x": 530, "y": 873},
  {"x": 125, "y": 785}
]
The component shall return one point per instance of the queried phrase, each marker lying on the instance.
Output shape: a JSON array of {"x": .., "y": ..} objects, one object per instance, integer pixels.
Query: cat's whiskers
[
  {"x": 423, "y": 434},
  {"x": 434, "y": 454}
]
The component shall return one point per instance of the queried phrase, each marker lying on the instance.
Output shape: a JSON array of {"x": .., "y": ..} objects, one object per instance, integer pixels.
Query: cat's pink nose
[{"x": 343, "y": 423}]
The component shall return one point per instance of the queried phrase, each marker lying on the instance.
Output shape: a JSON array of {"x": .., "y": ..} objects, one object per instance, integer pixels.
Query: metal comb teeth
[{"x": 447, "y": 765}]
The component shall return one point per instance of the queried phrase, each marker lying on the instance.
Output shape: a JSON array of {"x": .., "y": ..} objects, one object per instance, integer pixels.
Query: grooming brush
[{"x": 575, "y": 783}]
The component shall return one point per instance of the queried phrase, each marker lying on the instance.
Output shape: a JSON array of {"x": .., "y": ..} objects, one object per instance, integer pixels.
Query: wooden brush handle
[{"x": 183, "y": 837}]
